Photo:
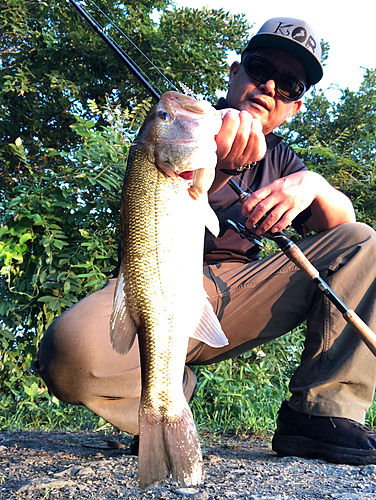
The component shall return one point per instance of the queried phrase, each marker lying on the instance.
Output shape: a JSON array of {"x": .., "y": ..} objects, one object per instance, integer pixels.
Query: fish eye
[{"x": 164, "y": 116}]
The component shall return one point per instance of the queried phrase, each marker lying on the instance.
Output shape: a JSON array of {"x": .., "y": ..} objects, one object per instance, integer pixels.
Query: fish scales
[{"x": 160, "y": 295}]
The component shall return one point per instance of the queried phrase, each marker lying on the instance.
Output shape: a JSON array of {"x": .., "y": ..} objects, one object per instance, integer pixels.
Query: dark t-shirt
[{"x": 278, "y": 162}]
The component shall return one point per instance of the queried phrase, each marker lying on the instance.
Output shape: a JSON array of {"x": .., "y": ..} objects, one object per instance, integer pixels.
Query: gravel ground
[{"x": 49, "y": 465}]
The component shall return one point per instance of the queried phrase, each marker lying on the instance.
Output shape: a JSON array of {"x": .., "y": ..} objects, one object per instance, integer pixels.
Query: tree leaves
[
  {"x": 338, "y": 140},
  {"x": 59, "y": 234},
  {"x": 54, "y": 65}
]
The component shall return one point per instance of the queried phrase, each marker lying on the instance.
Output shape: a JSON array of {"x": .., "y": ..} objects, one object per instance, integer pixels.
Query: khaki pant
[{"x": 255, "y": 303}]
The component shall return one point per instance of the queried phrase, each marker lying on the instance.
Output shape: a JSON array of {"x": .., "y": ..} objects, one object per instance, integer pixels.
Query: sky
[{"x": 349, "y": 28}]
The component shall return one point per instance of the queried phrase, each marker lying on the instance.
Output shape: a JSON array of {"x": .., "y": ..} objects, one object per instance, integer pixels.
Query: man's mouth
[{"x": 259, "y": 102}]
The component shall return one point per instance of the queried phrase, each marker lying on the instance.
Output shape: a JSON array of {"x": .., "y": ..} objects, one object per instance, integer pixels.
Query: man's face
[{"x": 261, "y": 99}]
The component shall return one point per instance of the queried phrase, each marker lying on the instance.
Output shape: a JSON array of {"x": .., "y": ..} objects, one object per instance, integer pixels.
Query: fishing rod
[
  {"x": 119, "y": 52},
  {"x": 293, "y": 252},
  {"x": 288, "y": 247}
]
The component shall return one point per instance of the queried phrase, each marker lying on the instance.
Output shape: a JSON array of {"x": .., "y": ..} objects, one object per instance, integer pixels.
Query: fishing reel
[
  {"x": 246, "y": 234},
  {"x": 250, "y": 234}
]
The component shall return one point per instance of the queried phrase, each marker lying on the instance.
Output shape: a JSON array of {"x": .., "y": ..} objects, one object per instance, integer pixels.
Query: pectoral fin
[
  {"x": 123, "y": 329},
  {"x": 209, "y": 329}
]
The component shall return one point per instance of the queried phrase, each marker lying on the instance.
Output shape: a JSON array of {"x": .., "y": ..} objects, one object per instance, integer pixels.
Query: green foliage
[
  {"x": 53, "y": 64},
  {"x": 338, "y": 140},
  {"x": 33, "y": 407},
  {"x": 59, "y": 236},
  {"x": 188, "y": 43},
  {"x": 65, "y": 142},
  {"x": 243, "y": 395},
  {"x": 24, "y": 400}
]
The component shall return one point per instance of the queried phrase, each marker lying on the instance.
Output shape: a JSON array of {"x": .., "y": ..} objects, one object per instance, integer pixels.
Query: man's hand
[
  {"x": 285, "y": 198},
  {"x": 240, "y": 141}
]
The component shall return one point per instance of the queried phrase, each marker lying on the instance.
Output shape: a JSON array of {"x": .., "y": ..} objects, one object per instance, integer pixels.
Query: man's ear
[
  {"x": 234, "y": 70},
  {"x": 296, "y": 108}
]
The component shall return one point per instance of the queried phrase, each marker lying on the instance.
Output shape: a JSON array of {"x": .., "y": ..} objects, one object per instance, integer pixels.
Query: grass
[
  {"x": 46, "y": 413},
  {"x": 243, "y": 395},
  {"x": 240, "y": 395}
]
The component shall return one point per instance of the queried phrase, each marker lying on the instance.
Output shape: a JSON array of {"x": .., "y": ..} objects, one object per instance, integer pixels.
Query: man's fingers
[
  {"x": 259, "y": 199},
  {"x": 243, "y": 137},
  {"x": 276, "y": 220},
  {"x": 284, "y": 221},
  {"x": 256, "y": 146},
  {"x": 226, "y": 136},
  {"x": 264, "y": 202},
  {"x": 240, "y": 140}
]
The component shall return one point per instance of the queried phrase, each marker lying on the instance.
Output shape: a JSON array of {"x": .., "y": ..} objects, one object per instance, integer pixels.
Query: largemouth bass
[{"x": 160, "y": 295}]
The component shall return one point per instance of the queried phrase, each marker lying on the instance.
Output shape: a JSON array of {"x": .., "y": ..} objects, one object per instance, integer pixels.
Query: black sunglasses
[{"x": 262, "y": 71}]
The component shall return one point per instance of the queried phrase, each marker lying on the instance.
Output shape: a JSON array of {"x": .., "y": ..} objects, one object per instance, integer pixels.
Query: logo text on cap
[
  {"x": 311, "y": 44},
  {"x": 299, "y": 34},
  {"x": 284, "y": 29}
]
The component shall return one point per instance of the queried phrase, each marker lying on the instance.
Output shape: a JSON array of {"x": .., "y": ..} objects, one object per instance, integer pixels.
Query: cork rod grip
[
  {"x": 300, "y": 260},
  {"x": 364, "y": 331}
]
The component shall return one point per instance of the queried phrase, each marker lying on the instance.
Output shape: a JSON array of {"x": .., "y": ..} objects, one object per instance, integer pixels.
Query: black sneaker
[{"x": 336, "y": 440}]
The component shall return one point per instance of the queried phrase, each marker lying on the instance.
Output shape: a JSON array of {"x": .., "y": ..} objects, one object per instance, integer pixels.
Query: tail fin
[{"x": 168, "y": 445}]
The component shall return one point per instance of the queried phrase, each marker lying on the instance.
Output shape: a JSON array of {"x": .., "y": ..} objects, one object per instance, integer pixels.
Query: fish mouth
[
  {"x": 187, "y": 175},
  {"x": 168, "y": 170},
  {"x": 198, "y": 181}
]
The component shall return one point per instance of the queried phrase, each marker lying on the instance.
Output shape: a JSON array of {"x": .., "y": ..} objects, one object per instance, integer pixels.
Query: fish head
[{"x": 179, "y": 134}]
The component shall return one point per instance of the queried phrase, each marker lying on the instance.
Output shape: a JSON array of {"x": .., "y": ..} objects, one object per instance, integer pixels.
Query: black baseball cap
[{"x": 295, "y": 37}]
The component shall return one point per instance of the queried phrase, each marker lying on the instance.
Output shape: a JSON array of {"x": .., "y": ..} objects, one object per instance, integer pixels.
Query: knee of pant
[
  {"x": 356, "y": 233},
  {"x": 59, "y": 366}
]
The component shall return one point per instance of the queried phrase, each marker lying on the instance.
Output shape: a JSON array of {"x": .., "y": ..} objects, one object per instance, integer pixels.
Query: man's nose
[{"x": 268, "y": 87}]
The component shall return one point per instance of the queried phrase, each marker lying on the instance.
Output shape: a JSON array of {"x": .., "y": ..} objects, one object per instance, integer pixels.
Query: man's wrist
[{"x": 238, "y": 170}]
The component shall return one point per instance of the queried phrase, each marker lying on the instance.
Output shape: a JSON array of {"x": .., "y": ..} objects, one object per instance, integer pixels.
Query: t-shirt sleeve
[{"x": 286, "y": 161}]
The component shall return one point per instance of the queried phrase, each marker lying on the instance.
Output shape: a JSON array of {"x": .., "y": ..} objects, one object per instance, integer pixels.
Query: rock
[
  {"x": 195, "y": 493},
  {"x": 369, "y": 470},
  {"x": 43, "y": 483},
  {"x": 84, "y": 472}
]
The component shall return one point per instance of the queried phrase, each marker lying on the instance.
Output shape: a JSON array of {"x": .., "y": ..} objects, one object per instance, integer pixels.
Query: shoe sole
[{"x": 310, "y": 448}]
